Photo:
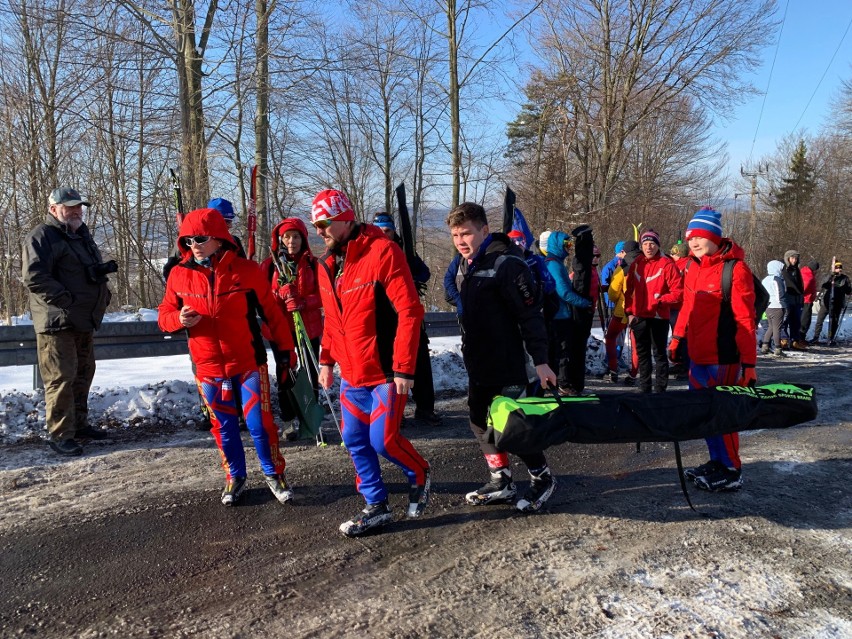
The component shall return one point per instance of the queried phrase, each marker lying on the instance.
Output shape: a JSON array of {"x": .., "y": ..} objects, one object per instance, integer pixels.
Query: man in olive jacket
[{"x": 67, "y": 281}]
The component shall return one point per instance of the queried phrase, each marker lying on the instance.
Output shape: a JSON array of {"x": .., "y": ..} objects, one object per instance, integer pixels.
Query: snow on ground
[{"x": 161, "y": 390}]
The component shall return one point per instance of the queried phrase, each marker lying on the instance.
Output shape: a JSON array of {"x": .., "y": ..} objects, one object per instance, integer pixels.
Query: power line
[
  {"x": 769, "y": 80},
  {"x": 824, "y": 73}
]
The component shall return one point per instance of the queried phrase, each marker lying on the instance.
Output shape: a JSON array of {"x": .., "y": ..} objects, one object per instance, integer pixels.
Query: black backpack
[{"x": 761, "y": 295}]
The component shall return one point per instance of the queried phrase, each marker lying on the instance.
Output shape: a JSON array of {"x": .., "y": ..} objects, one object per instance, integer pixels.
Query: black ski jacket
[{"x": 501, "y": 314}]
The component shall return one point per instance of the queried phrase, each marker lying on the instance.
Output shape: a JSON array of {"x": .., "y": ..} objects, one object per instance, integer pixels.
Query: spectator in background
[
  {"x": 809, "y": 275},
  {"x": 774, "y": 284},
  {"x": 559, "y": 333},
  {"x": 423, "y": 390},
  {"x": 834, "y": 292},
  {"x": 653, "y": 287},
  {"x": 294, "y": 290},
  {"x": 794, "y": 299},
  {"x": 618, "y": 322},
  {"x": 67, "y": 282},
  {"x": 680, "y": 254}
]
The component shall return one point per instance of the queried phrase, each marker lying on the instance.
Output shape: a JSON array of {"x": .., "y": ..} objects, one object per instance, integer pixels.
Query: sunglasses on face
[
  {"x": 322, "y": 224},
  {"x": 196, "y": 239}
]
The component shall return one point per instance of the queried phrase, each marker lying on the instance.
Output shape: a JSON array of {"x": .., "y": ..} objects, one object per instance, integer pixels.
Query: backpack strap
[{"x": 728, "y": 279}]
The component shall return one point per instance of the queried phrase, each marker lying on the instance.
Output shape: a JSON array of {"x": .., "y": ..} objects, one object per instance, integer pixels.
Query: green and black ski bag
[{"x": 531, "y": 425}]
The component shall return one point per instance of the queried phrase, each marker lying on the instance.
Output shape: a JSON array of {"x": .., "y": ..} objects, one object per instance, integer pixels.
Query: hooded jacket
[
  {"x": 57, "y": 263},
  {"x": 229, "y": 294},
  {"x": 809, "y": 282},
  {"x": 555, "y": 263},
  {"x": 502, "y": 318},
  {"x": 305, "y": 277},
  {"x": 836, "y": 288},
  {"x": 794, "y": 294},
  {"x": 774, "y": 284},
  {"x": 716, "y": 336},
  {"x": 618, "y": 282},
  {"x": 654, "y": 286},
  {"x": 372, "y": 312}
]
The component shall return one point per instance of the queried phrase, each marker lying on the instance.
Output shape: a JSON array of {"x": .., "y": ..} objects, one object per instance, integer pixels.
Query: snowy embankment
[{"x": 161, "y": 390}]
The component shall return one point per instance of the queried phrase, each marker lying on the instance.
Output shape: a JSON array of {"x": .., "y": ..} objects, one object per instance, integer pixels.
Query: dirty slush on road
[{"x": 131, "y": 540}]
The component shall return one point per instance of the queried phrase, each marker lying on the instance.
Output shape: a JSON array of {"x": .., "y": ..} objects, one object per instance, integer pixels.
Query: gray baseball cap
[{"x": 67, "y": 196}]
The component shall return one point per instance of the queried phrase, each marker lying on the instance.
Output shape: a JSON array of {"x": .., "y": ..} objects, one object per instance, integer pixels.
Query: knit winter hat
[
  {"x": 223, "y": 206},
  {"x": 384, "y": 221},
  {"x": 332, "y": 204},
  {"x": 619, "y": 247},
  {"x": 706, "y": 223},
  {"x": 650, "y": 236}
]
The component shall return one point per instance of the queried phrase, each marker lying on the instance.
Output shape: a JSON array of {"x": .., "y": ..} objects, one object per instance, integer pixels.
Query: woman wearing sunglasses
[{"x": 216, "y": 296}]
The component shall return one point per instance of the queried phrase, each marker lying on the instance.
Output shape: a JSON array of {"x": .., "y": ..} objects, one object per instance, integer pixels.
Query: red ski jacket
[
  {"x": 715, "y": 336},
  {"x": 810, "y": 284},
  {"x": 654, "y": 286},
  {"x": 306, "y": 283},
  {"x": 372, "y": 312},
  {"x": 229, "y": 295}
]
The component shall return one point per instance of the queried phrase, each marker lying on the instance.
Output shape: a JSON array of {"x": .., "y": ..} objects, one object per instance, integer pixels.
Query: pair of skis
[{"x": 310, "y": 412}]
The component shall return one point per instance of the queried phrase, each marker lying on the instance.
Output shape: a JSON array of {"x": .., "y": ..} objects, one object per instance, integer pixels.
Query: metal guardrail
[{"x": 129, "y": 340}]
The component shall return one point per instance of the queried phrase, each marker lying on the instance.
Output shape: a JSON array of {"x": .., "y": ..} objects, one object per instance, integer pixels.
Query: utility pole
[{"x": 762, "y": 169}]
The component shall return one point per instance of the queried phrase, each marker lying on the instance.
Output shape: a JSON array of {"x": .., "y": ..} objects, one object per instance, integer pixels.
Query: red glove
[
  {"x": 749, "y": 377},
  {"x": 294, "y": 303},
  {"x": 286, "y": 291},
  {"x": 674, "y": 356}
]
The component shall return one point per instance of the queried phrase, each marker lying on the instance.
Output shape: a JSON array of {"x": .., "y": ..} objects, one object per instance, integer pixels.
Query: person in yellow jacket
[{"x": 618, "y": 322}]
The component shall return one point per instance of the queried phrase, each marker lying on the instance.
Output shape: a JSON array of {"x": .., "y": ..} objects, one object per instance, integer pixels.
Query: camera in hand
[{"x": 97, "y": 273}]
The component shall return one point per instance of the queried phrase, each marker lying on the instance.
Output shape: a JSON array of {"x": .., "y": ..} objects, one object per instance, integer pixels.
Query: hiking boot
[
  {"x": 630, "y": 380},
  {"x": 233, "y": 489},
  {"x": 430, "y": 417},
  {"x": 800, "y": 346},
  {"x": 541, "y": 488},
  {"x": 568, "y": 392},
  {"x": 291, "y": 430},
  {"x": 67, "y": 447},
  {"x": 612, "y": 376},
  {"x": 418, "y": 496},
  {"x": 700, "y": 471},
  {"x": 720, "y": 479},
  {"x": 499, "y": 490},
  {"x": 785, "y": 343},
  {"x": 832, "y": 342},
  {"x": 764, "y": 348},
  {"x": 779, "y": 353},
  {"x": 279, "y": 487},
  {"x": 373, "y": 516},
  {"x": 87, "y": 432},
  {"x": 814, "y": 341}
]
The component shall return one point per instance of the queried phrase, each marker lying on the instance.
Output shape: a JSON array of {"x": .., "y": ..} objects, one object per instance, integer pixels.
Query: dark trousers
[
  {"x": 285, "y": 401},
  {"x": 650, "y": 336},
  {"x": 578, "y": 341},
  {"x": 558, "y": 349},
  {"x": 793, "y": 322},
  {"x": 807, "y": 314},
  {"x": 833, "y": 315},
  {"x": 423, "y": 390},
  {"x": 479, "y": 401}
]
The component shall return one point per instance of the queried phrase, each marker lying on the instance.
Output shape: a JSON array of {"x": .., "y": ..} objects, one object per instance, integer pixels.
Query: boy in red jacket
[
  {"x": 722, "y": 341},
  {"x": 215, "y": 296}
]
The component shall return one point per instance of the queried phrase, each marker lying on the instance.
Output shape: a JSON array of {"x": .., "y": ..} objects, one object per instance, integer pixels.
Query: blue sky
[{"x": 810, "y": 36}]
